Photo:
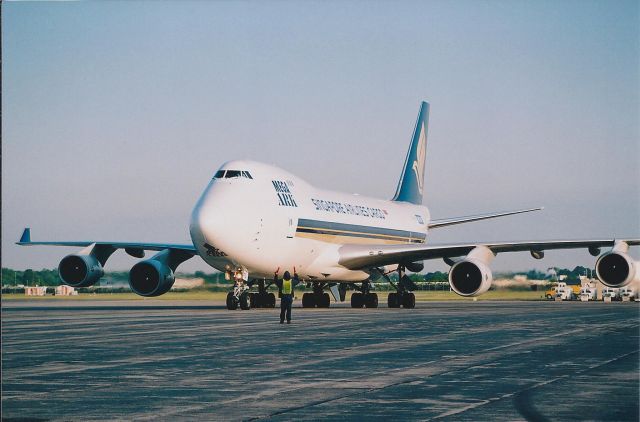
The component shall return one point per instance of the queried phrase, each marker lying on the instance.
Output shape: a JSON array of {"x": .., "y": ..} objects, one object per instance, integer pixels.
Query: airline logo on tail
[{"x": 421, "y": 154}]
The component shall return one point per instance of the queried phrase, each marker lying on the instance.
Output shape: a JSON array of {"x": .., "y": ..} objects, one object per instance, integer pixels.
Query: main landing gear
[
  {"x": 364, "y": 297},
  {"x": 262, "y": 299},
  {"x": 402, "y": 296},
  {"x": 319, "y": 298}
]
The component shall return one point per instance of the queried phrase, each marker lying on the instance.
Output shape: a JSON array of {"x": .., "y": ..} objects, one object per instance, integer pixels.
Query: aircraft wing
[
  {"x": 356, "y": 257},
  {"x": 132, "y": 248},
  {"x": 468, "y": 219}
]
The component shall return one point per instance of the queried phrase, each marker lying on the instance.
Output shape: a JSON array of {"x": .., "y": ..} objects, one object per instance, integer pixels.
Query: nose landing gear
[{"x": 239, "y": 297}]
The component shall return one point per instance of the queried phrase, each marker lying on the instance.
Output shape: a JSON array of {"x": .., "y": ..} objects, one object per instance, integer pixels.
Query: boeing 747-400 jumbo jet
[{"x": 333, "y": 240}]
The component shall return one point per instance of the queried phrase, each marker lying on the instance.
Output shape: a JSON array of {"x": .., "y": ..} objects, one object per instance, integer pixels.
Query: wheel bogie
[{"x": 262, "y": 300}]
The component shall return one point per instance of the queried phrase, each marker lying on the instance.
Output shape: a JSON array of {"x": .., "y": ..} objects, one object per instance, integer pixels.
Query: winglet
[{"x": 26, "y": 236}]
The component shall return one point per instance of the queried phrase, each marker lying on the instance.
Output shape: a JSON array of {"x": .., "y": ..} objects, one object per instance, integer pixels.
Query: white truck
[
  {"x": 565, "y": 292},
  {"x": 628, "y": 293},
  {"x": 588, "y": 293},
  {"x": 610, "y": 294}
]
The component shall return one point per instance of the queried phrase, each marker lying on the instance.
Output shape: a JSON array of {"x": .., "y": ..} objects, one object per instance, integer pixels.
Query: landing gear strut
[
  {"x": 262, "y": 299},
  {"x": 402, "y": 296},
  {"x": 318, "y": 298},
  {"x": 364, "y": 297}
]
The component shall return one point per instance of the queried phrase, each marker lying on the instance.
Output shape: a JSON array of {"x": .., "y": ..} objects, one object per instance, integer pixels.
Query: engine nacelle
[
  {"x": 415, "y": 267},
  {"x": 151, "y": 278},
  {"x": 80, "y": 270},
  {"x": 470, "y": 277},
  {"x": 617, "y": 269}
]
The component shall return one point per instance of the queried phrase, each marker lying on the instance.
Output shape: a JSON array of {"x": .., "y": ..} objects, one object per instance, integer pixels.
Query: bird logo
[{"x": 418, "y": 164}]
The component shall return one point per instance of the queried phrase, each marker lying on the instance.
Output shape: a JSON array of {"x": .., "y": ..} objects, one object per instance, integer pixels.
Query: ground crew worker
[{"x": 286, "y": 286}]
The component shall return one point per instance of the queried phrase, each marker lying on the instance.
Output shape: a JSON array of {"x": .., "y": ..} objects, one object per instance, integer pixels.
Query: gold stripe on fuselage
[
  {"x": 342, "y": 236},
  {"x": 331, "y": 238}
]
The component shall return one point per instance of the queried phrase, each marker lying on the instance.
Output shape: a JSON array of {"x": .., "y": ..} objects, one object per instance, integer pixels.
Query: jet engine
[
  {"x": 616, "y": 268},
  {"x": 415, "y": 267},
  {"x": 472, "y": 276},
  {"x": 151, "y": 277},
  {"x": 80, "y": 270}
]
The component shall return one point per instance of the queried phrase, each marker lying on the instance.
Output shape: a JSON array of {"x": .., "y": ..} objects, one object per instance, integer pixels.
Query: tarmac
[{"x": 450, "y": 361}]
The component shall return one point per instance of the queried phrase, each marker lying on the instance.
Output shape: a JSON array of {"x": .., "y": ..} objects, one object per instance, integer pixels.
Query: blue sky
[{"x": 116, "y": 114}]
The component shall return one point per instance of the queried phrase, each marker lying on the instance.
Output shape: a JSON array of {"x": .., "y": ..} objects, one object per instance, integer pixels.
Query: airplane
[{"x": 332, "y": 240}]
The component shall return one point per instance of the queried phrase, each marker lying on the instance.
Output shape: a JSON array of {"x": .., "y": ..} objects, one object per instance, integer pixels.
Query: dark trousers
[{"x": 285, "y": 307}]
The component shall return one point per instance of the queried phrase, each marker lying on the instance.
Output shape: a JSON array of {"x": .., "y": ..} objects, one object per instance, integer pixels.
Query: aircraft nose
[{"x": 207, "y": 222}]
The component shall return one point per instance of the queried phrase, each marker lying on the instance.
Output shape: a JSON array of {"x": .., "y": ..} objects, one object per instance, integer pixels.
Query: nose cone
[
  {"x": 223, "y": 220},
  {"x": 208, "y": 220}
]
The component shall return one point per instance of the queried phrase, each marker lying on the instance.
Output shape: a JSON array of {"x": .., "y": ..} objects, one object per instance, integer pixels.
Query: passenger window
[{"x": 219, "y": 174}]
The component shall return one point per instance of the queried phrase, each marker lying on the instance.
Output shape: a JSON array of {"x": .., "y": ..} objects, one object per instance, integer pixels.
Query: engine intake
[
  {"x": 470, "y": 278},
  {"x": 617, "y": 269},
  {"x": 80, "y": 270},
  {"x": 151, "y": 278}
]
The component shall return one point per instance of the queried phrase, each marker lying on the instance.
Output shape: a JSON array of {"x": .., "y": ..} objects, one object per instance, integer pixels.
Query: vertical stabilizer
[{"x": 411, "y": 184}]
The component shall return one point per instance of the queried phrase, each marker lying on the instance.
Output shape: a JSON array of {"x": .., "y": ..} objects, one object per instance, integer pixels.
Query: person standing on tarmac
[{"x": 286, "y": 286}]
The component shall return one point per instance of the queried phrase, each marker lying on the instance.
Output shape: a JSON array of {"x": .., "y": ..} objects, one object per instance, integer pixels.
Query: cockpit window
[
  {"x": 227, "y": 174},
  {"x": 232, "y": 173}
]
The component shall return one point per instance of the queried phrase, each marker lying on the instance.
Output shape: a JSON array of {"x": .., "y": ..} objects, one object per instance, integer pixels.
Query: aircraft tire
[
  {"x": 245, "y": 303},
  {"x": 308, "y": 300},
  {"x": 357, "y": 300},
  {"x": 254, "y": 300},
  {"x": 371, "y": 300},
  {"x": 409, "y": 301},
  {"x": 271, "y": 301},
  {"x": 326, "y": 300},
  {"x": 393, "y": 300},
  {"x": 232, "y": 305}
]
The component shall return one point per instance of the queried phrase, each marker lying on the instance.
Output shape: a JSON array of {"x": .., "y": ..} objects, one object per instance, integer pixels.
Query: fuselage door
[{"x": 292, "y": 224}]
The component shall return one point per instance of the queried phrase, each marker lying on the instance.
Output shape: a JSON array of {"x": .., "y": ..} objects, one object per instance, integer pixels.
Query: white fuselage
[{"x": 264, "y": 218}]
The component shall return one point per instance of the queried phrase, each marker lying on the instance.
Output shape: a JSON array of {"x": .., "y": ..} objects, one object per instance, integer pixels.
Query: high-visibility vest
[{"x": 287, "y": 287}]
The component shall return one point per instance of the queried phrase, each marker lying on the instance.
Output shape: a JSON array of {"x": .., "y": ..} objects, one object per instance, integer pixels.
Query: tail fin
[
  {"x": 411, "y": 184},
  {"x": 26, "y": 236}
]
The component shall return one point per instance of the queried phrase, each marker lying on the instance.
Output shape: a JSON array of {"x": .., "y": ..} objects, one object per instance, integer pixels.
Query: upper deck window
[{"x": 227, "y": 174}]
